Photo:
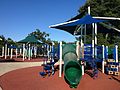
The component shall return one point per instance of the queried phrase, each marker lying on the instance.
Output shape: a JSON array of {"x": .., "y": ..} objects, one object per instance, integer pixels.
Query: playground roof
[
  {"x": 30, "y": 39},
  {"x": 70, "y": 26}
]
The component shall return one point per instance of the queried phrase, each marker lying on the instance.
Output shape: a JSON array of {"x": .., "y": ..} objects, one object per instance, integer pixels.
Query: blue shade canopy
[{"x": 71, "y": 25}]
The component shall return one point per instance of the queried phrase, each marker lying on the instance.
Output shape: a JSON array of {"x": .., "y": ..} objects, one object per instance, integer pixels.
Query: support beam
[
  {"x": 78, "y": 50},
  {"x": 89, "y": 10},
  {"x": 23, "y": 52},
  {"x": 116, "y": 47},
  {"x": 29, "y": 54},
  {"x": 108, "y": 18},
  {"x": 5, "y": 51},
  {"x": 11, "y": 54},
  {"x": 60, "y": 60},
  {"x": 83, "y": 71},
  {"x": 103, "y": 50},
  {"x": 35, "y": 51},
  {"x": 93, "y": 41},
  {"x": 81, "y": 41},
  {"x": 95, "y": 33}
]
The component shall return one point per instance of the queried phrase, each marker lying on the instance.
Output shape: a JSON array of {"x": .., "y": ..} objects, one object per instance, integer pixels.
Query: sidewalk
[{"x": 6, "y": 67}]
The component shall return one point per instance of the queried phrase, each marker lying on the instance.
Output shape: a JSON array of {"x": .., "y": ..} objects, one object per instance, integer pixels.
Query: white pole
[
  {"x": 16, "y": 52},
  {"x": 35, "y": 51},
  {"x": 83, "y": 72},
  {"x": 95, "y": 39},
  {"x": 107, "y": 51},
  {"x": 109, "y": 18},
  {"x": 48, "y": 52},
  {"x": 23, "y": 52},
  {"x": 11, "y": 52},
  {"x": 29, "y": 53},
  {"x": 81, "y": 41},
  {"x": 2, "y": 51},
  {"x": 103, "y": 58},
  {"x": 5, "y": 51},
  {"x": 89, "y": 10},
  {"x": 8, "y": 51},
  {"x": 116, "y": 47},
  {"x": 95, "y": 33},
  {"x": 78, "y": 50},
  {"x": 60, "y": 63}
]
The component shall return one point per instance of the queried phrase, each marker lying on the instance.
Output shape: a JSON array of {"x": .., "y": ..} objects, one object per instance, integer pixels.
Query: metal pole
[
  {"x": 5, "y": 51},
  {"x": 95, "y": 39},
  {"x": 116, "y": 47},
  {"x": 29, "y": 53},
  {"x": 89, "y": 10},
  {"x": 23, "y": 52},
  {"x": 60, "y": 60},
  {"x": 93, "y": 42},
  {"x": 103, "y": 58},
  {"x": 2, "y": 51},
  {"x": 78, "y": 50},
  {"x": 35, "y": 51},
  {"x": 11, "y": 52},
  {"x": 81, "y": 41}
]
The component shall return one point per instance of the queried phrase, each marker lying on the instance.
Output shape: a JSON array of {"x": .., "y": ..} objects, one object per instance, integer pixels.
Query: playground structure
[
  {"x": 27, "y": 50},
  {"x": 90, "y": 54},
  {"x": 8, "y": 51},
  {"x": 76, "y": 60}
]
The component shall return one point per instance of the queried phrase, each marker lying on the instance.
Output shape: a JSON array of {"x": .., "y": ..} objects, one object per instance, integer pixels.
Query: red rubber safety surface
[{"x": 29, "y": 79}]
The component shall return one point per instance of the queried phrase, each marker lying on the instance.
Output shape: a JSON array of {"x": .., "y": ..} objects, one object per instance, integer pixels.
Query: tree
[
  {"x": 2, "y": 40},
  {"x": 10, "y": 41},
  {"x": 104, "y": 8},
  {"x": 42, "y": 36}
]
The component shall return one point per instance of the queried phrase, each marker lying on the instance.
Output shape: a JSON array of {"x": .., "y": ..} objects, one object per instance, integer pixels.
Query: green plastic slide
[{"x": 72, "y": 68}]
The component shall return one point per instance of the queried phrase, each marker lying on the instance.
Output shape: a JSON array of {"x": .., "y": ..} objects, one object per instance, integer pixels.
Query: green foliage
[
  {"x": 42, "y": 36},
  {"x": 104, "y": 8},
  {"x": 3, "y": 40}
]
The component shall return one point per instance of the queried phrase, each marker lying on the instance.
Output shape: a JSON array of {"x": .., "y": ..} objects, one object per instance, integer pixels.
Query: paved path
[{"x": 6, "y": 67}]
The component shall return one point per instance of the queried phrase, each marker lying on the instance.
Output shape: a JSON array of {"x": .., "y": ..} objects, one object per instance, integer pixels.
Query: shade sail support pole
[
  {"x": 5, "y": 51},
  {"x": 93, "y": 41},
  {"x": 23, "y": 52},
  {"x": 89, "y": 10},
  {"x": 60, "y": 61}
]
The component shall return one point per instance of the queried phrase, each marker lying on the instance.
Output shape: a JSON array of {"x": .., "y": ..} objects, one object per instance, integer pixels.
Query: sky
[{"x": 18, "y": 18}]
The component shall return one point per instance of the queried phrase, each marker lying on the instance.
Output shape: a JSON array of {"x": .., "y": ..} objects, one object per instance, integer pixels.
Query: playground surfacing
[{"x": 29, "y": 79}]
